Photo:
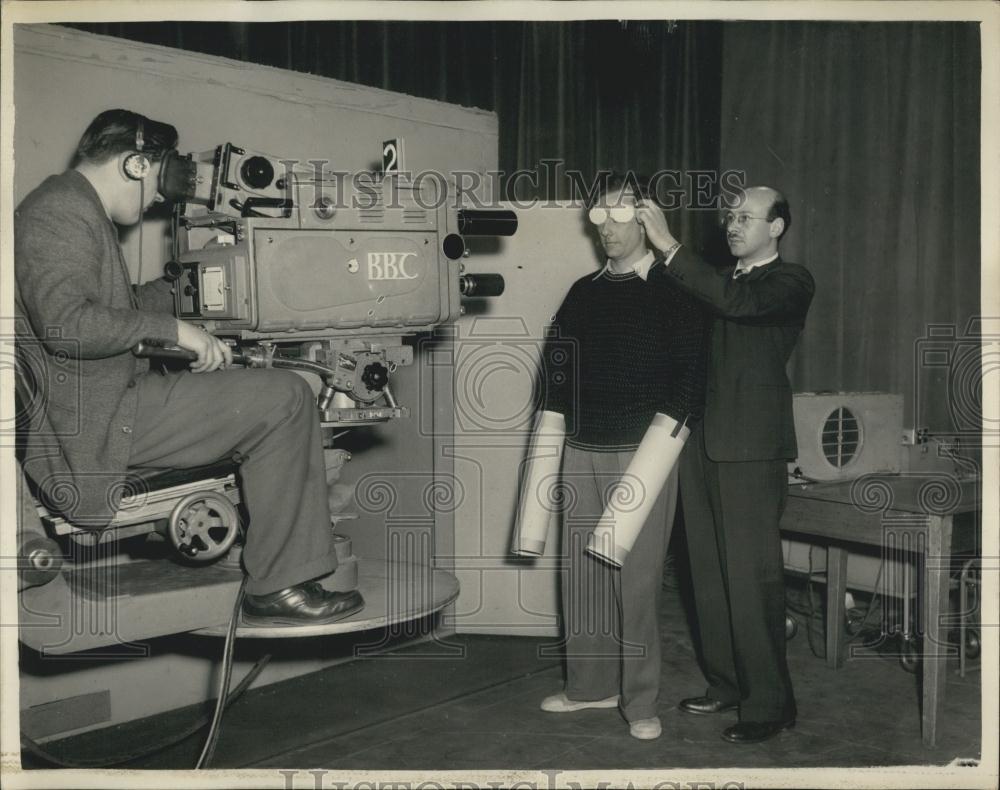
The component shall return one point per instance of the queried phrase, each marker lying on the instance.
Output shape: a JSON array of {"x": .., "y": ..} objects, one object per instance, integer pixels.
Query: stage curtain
[
  {"x": 872, "y": 131},
  {"x": 602, "y": 95}
]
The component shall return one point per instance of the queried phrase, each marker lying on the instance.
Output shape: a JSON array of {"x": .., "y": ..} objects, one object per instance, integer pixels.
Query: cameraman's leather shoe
[
  {"x": 307, "y": 603},
  {"x": 702, "y": 706}
]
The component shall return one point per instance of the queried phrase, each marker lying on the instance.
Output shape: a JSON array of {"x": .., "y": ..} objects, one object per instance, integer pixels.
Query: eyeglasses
[
  {"x": 741, "y": 220},
  {"x": 599, "y": 215}
]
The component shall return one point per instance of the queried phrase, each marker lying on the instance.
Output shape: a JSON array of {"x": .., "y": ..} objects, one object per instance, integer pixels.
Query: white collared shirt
[
  {"x": 640, "y": 267},
  {"x": 743, "y": 268},
  {"x": 739, "y": 271}
]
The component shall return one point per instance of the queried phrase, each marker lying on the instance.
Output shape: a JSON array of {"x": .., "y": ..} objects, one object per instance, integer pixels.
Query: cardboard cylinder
[
  {"x": 628, "y": 509},
  {"x": 537, "y": 506}
]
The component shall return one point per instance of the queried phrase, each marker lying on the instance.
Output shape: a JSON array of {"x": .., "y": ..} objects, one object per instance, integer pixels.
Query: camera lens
[{"x": 257, "y": 172}]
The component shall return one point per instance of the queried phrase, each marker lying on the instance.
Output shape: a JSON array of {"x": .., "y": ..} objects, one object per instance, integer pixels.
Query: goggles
[{"x": 599, "y": 215}]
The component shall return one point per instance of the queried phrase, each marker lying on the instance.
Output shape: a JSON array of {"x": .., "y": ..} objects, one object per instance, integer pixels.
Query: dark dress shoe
[
  {"x": 303, "y": 604},
  {"x": 702, "y": 706},
  {"x": 755, "y": 731}
]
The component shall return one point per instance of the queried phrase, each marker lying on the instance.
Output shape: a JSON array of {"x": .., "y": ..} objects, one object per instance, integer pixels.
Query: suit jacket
[
  {"x": 757, "y": 320},
  {"x": 78, "y": 316}
]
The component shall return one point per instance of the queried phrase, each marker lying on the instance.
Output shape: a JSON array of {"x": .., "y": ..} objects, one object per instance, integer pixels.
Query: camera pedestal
[{"x": 394, "y": 592}]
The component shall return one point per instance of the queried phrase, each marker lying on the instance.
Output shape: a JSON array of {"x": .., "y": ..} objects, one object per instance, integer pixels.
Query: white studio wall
[
  {"x": 62, "y": 79},
  {"x": 496, "y": 356}
]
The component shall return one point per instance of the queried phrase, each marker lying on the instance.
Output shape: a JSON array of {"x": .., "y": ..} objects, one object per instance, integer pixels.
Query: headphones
[{"x": 137, "y": 165}]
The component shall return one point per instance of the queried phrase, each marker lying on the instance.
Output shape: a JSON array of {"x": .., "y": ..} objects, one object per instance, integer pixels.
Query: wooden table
[{"x": 912, "y": 515}]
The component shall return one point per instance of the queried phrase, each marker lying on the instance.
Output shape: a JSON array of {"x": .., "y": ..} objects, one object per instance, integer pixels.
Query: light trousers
[{"x": 611, "y": 615}]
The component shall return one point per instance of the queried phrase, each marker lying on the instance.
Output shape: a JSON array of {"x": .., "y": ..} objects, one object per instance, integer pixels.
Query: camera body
[
  {"x": 279, "y": 249},
  {"x": 324, "y": 266}
]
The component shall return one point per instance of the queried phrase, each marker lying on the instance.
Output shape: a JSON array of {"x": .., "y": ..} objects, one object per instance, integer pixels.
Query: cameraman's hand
[
  {"x": 212, "y": 352},
  {"x": 657, "y": 230}
]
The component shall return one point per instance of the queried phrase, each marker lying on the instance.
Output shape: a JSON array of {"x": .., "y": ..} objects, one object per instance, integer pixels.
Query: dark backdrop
[
  {"x": 602, "y": 95},
  {"x": 872, "y": 129}
]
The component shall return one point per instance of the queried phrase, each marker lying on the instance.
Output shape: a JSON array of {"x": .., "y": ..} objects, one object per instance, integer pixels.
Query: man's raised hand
[{"x": 657, "y": 230}]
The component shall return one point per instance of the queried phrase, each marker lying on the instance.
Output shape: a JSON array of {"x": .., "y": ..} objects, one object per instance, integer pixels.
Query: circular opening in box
[{"x": 841, "y": 437}]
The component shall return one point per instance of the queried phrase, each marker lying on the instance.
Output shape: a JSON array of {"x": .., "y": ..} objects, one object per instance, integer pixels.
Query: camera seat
[{"x": 194, "y": 508}]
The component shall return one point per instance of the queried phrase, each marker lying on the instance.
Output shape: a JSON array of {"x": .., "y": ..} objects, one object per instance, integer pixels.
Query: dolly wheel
[
  {"x": 973, "y": 645},
  {"x": 203, "y": 525},
  {"x": 909, "y": 654}
]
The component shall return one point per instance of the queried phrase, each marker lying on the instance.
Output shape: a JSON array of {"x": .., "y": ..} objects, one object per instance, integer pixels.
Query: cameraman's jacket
[{"x": 77, "y": 318}]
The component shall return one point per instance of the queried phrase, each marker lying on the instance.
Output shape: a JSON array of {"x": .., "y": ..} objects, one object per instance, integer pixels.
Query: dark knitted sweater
[{"x": 623, "y": 349}]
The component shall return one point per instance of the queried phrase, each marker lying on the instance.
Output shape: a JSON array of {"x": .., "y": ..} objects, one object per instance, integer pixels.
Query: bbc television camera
[
  {"x": 303, "y": 268},
  {"x": 297, "y": 267},
  {"x": 308, "y": 268}
]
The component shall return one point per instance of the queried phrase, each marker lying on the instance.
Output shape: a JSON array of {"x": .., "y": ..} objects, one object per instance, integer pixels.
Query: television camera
[
  {"x": 320, "y": 270},
  {"x": 297, "y": 267}
]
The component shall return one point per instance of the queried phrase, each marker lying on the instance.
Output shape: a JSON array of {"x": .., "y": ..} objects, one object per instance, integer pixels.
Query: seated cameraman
[{"x": 106, "y": 411}]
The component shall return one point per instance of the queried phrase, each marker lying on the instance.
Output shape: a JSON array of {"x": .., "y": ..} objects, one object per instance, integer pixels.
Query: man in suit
[
  {"x": 733, "y": 475},
  {"x": 106, "y": 412}
]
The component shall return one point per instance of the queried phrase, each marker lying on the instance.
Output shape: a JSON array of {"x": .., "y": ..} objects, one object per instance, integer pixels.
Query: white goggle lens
[
  {"x": 622, "y": 213},
  {"x": 599, "y": 216}
]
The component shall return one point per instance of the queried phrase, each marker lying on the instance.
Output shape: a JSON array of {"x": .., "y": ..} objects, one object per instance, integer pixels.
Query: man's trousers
[
  {"x": 731, "y": 514},
  {"x": 269, "y": 417},
  {"x": 610, "y": 616}
]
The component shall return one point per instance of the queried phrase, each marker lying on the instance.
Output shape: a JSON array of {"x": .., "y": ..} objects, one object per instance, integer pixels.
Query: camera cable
[{"x": 223, "y": 701}]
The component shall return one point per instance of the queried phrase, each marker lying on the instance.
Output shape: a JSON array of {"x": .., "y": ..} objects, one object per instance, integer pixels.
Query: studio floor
[{"x": 472, "y": 704}]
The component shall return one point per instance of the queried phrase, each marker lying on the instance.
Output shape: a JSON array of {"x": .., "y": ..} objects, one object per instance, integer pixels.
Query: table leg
[
  {"x": 935, "y": 647},
  {"x": 836, "y": 591}
]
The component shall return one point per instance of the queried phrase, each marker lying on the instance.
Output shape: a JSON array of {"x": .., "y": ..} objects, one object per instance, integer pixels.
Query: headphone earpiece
[{"x": 136, "y": 166}]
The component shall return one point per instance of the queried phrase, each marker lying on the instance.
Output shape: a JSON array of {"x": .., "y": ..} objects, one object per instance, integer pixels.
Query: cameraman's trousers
[
  {"x": 269, "y": 417},
  {"x": 610, "y": 615}
]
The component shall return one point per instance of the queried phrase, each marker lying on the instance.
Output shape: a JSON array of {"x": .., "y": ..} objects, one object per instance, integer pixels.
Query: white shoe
[
  {"x": 645, "y": 729},
  {"x": 560, "y": 703}
]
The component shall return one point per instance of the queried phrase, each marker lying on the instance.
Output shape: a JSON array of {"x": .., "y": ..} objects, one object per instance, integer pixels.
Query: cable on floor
[
  {"x": 227, "y": 672},
  {"x": 31, "y": 746}
]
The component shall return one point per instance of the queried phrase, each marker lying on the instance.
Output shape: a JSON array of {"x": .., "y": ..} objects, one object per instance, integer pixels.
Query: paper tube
[
  {"x": 537, "y": 509},
  {"x": 630, "y": 505}
]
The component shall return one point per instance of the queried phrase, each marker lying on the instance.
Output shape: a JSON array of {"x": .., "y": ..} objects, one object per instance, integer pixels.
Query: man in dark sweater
[
  {"x": 106, "y": 411},
  {"x": 638, "y": 350},
  {"x": 733, "y": 470}
]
